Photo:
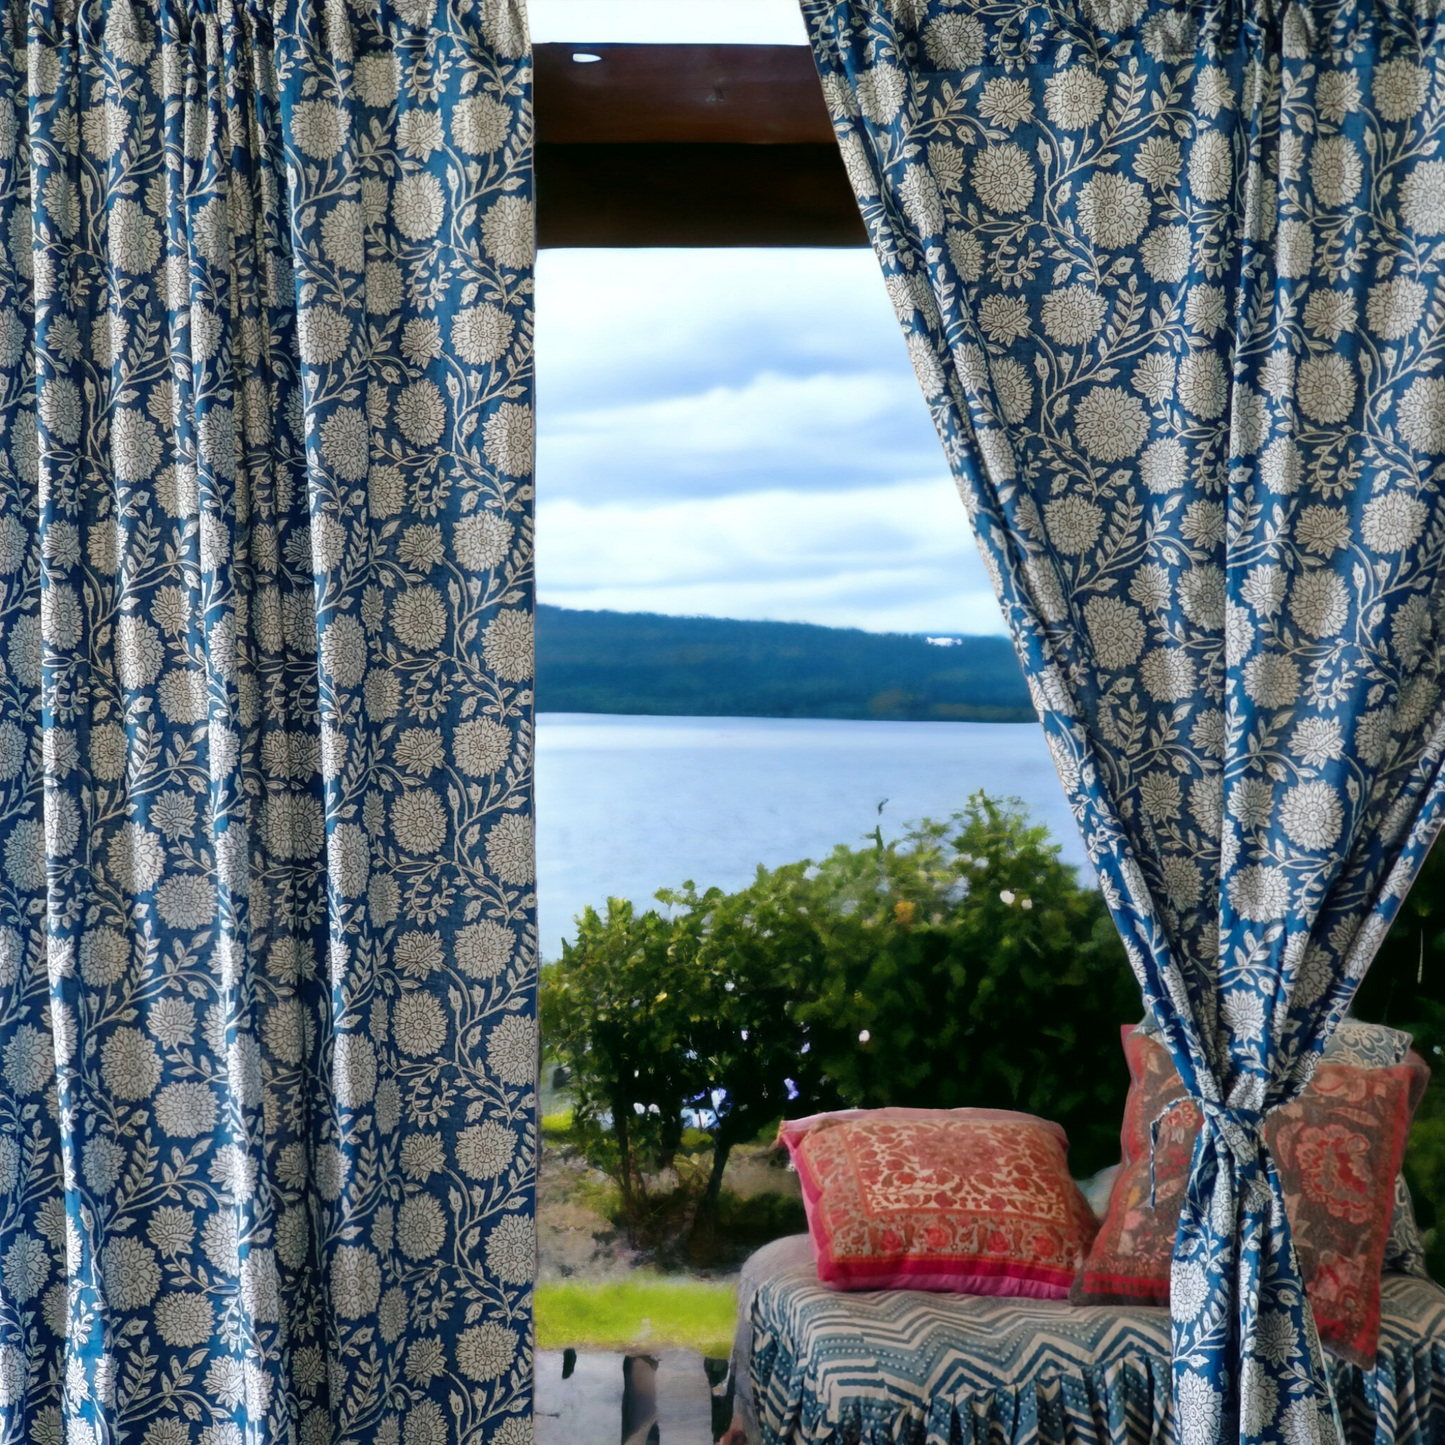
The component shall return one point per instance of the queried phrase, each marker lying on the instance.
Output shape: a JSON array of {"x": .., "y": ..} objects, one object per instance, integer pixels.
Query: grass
[
  {"x": 556, "y": 1127},
  {"x": 610, "y": 1314}
]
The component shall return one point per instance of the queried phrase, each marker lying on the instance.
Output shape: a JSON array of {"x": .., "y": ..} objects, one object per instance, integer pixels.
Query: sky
[{"x": 733, "y": 432}]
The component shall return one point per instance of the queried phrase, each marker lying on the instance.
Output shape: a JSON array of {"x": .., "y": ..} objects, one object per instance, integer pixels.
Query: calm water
[{"x": 627, "y": 805}]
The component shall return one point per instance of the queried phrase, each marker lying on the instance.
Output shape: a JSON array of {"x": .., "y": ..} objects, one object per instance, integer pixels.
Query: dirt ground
[{"x": 576, "y": 1240}]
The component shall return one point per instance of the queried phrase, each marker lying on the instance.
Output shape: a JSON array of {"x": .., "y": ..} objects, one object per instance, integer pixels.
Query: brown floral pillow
[{"x": 1337, "y": 1148}]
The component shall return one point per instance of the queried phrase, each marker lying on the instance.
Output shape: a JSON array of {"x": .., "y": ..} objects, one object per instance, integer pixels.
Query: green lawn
[{"x": 679, "y": 1313}]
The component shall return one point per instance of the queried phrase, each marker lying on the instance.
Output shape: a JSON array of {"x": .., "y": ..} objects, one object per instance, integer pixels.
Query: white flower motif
[
  {"x": 320, "y": 128},
  {"x": 1074, "y": 315},
  {"x": 323, "y": 334},
  {"x": 1168, "y": 674},
  {"x": 484, "y": 949},
  {"x": 480, "y": 125},
  {"x": 355, "y": 1282},
  {"x": 1188, "y": 1289},
  {"x": 1399, "y": 88},
  {"x": 1073, "y": 523},
  {"x": 129, "y": 1064},
  {"x": 1165, "y": 253},
  {"x": 1422, "y": 414},
  {"x": 1164, "y": 465},
  {"x": 509, "y": 232},
  {"x": 184, "y": 1320},
  {"x": 133, "y": 242},
  {"x": 482, "y": 541},
  {"x": 953, "y": 42},
  {"x": 507, "y": 644},
  {"x": 1294, "y": 249},
  {"x": 1201, "y": 384},
  {"x": 1211, "y": 166},
  {"x": 1259, "y": 894},
  {"x": 1074, "y": 99},
  {"x": 1335, "y": 171},
  {"x": 418, "y": 821},
  {"x": 1393, "y": 522},
  {"x": 419, "y": 1025},
  {"x": 485, "y": 1150},
  {"x": 131, "y": 1272},
  {"x": 1111, "y": 424},
  {"x": 186, "y": 1110},
  {"x": 378, "y": 78},
  {"x": 507, "y": 438},
  {"x": 486, "y": 1351},
  {"x": 1395, "y": 307},
  {"x": 1112, "y": 209},
  {"x": 1330, "y": 314},
  {"x": 1281, "y": 467},
  {"x": 1003, "y": 178},
  {"x": 510, "y": 849},
  {"x": 1422, "y": 198},
  {"x": 1319, "y": 603},
  {"x": 1326, "y": 388},
  {"x": 1116, "y": 631},
  {"x": 420, "y": 1229},
  {"x": 1312, "y": 816},
  {"x": 512, "y": 1250},
  {"x": 1271, "y": 680},
  {"x": 343, "y": 650},
  {"x": 481, "y": 334}
]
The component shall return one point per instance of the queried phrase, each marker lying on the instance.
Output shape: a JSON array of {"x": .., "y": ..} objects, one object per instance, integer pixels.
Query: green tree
[
  {"x": 760, "y": 949},
  {"x": 617, "y": 1011},
  {"x": 967, "y": 966}
]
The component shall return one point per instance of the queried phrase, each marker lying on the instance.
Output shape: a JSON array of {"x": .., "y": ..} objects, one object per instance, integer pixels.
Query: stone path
[{"x": 632, "y": 1399}]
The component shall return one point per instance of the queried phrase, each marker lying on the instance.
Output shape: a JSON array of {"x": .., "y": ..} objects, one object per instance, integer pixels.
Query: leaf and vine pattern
[
  {"x": 1171, "y": 278},
  {"x": 267, "y": 917}
]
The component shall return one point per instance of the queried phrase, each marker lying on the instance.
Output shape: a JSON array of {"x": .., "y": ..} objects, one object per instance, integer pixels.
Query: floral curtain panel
[
  {"x": 1170, "y": 278},
  {"x": 267, "y": 1035}
]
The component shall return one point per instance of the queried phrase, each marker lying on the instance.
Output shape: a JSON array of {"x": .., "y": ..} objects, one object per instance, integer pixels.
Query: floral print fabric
[
  {"x": 1169, "y": 275},
  {"x": 267, "y": 1035},
  {"x": 1338, "y": 1148}
]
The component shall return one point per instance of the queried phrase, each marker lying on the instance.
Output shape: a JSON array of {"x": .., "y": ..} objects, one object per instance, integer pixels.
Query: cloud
[
  {"x": 739, "y": 433},
  {"x": 892, "y": 558},
  {"x": 826, "y": 431}
]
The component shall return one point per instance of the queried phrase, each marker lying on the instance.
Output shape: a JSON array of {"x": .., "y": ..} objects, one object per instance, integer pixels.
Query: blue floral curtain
[
  {"x": 1171, "y": 280},
  {"x": 267, "y": 1035}
]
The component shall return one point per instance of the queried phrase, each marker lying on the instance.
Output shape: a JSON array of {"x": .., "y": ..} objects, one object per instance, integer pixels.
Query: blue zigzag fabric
[
  {"x": 267, "y": 1031},
  {"x": 825, "y": 1366},
  {"x": 1170, "y": 277}
]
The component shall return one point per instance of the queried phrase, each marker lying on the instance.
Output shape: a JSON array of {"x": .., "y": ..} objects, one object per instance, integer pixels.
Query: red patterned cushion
[
  {"x": 976, "y": 1201},
  {"x": 1337, "y": 1148}
]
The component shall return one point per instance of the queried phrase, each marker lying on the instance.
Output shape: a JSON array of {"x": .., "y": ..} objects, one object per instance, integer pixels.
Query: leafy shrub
[{"x": 961, "y": 964}]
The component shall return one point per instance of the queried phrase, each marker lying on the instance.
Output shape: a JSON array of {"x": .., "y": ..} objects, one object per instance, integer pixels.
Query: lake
[{"x": 628, "y": 805}]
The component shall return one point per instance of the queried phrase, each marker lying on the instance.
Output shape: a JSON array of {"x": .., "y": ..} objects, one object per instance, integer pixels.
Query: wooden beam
[
  {"x": 679, "y": 94},
  {"x": 687, "y": 145},
  {"x": 694, "y": 195}
]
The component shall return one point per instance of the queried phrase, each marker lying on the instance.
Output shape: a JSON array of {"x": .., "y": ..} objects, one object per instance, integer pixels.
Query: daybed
[{"x": 908, "y": 1367}]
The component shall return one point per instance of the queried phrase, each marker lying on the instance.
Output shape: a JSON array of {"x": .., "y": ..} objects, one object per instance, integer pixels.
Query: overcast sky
[{"x": 736, "y": 433}]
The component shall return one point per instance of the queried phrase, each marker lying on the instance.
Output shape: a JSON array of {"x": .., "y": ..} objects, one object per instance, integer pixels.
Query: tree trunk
[{"x": 704, "y": 1220}]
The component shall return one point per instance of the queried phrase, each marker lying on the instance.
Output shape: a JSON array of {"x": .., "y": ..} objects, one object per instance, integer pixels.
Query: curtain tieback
[{"x": 1242, "y": 1131}]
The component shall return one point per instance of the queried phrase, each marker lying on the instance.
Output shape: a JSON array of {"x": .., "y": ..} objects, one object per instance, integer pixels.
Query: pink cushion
[{"x": 973, "y": 1201}]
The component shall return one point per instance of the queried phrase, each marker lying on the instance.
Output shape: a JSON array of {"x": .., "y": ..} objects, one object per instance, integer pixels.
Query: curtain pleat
[
  {"x": 1170, "y": 278},
  {"x": 267, "y": 911}
]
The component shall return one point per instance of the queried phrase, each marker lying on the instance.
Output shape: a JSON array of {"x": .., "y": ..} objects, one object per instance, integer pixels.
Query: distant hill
[{"x": 642, "y": 662}]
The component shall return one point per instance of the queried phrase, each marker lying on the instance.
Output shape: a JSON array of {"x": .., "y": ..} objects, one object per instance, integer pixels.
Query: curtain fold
[
  {"x": 1170, "y": 280},
  {"x": 267, "y": 913}
]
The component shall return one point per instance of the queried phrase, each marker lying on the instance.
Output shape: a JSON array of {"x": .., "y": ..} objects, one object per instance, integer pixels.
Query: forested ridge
[{"x": 642, "y": 662}]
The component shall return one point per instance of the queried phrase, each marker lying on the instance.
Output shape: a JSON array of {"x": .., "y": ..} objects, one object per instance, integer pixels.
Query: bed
[{"x": 905, "y": 1367}]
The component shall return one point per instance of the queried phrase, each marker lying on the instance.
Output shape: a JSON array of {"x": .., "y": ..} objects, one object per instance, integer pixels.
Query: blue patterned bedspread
[{"x": 902, "y": 1367}]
